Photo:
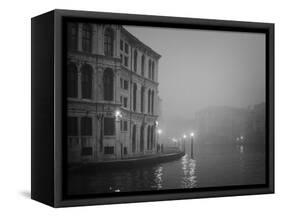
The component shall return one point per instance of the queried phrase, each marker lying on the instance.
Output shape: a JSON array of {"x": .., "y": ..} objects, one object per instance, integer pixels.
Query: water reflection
[
  {"x": 241, "y": 160},
  {"x": 241, "y": 149},
  {"x": 208, "y": 169},
  {"x": 158, "y": 174},
  {"x": 189, "y": 169}
]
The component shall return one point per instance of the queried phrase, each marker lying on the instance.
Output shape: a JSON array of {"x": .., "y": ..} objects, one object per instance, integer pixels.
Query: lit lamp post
[
  {"x": 241, "y": 138},
  {"x": 184, "y": 137},
  {"x": 191, "y": 144},
  {"x": 118, "y": 117},
  {"x": 159, "y": 132},
  {"x": 241, "y": 145}
]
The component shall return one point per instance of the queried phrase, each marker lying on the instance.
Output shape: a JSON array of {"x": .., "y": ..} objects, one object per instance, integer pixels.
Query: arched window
[
  {"x": 152, "y": 102},
  {"x": 72, "y": 36},
  {"x": 108, "y": 42},
  {"x": 151, "y": 137},
  {"x": 87, "y": 38},
  {"x": 149, "y": 69},
  {"x": 134, "y": 138},
  {"x": 142, "y": 99},
  {"x": 108, "y": 84},
  {"x": 135, "y": 97},
  {"x": 86, "y": 81},
  {"x": 148, "y": 138},
  {"x": 142, "y": 64},
  {"x": 72, "y": 80},
  {"x": 148, "y": 101},
  {"x": 142, "y": 138},
  {"x": 135, "y": 60},
  {"x": 152, "y": 71}
]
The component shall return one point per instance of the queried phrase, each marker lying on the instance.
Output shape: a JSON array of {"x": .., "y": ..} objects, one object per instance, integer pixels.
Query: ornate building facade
[{"x": 112, "y": 87}]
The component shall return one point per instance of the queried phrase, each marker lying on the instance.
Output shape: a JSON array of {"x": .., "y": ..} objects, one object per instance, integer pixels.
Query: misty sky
[{"x": 201, "y": 68}]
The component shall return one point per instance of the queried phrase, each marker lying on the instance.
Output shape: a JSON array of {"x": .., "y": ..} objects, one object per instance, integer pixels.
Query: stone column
[
  {"x": 99, "y": 84},
  {"x": 156, "y": 71},
  {"x": 100, "y": 44},
  {"x": 138, "y": 98},
  {"x": 117, "y": 44},
  {"x": 80, "y": 30},
  {"x": 94, "y": 37}
]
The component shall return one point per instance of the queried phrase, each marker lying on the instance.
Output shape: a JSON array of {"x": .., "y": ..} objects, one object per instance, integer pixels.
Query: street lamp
[
  {"x": 241, "y": 144},
  {"x": 159, "y": 132},
  {"x": 191, "y": 143},
  {"x": 184, "y": 137},
  {"x": 156, "y": 123},
  {"x": 118, "y": 115}
]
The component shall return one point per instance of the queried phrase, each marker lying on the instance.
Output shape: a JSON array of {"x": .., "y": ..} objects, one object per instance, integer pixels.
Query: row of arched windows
[
  {"x": 87, "y": 37},
  {"x": 150, "y": 138},
  {"x": 151, "y": 66},
  {"x": 108, "y": 86},
  {"x": 150, "y": 99},
  {"x": 87, "y": 82}
]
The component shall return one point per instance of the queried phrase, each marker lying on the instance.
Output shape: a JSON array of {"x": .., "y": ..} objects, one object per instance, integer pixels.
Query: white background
[{"x": 15, "y": 107}]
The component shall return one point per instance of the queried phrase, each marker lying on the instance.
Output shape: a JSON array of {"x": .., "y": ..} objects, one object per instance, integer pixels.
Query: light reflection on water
[
  {"x": 158, "y": 177},
  {"x": 206, "y": 170},
  {"x": 189, "y": 175}
]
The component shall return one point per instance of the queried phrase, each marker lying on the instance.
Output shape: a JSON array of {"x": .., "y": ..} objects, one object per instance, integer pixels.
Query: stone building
[{"x": 112, "y": 87}]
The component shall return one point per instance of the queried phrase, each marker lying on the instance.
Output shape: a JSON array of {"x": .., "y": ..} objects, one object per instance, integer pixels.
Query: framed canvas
[{"x": 134, "y": 108}]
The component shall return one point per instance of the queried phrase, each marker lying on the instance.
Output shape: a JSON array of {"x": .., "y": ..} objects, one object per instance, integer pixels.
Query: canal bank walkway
[{"x": 129, "y": 161}]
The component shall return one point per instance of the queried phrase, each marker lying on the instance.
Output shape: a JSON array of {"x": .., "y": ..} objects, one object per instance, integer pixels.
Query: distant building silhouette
[{"x": 227, "y": 125}]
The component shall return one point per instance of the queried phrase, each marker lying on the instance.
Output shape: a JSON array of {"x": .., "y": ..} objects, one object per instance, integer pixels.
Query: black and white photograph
[
  {"x": 150, "y": 108},
  {"x": 153, "y": 108}
]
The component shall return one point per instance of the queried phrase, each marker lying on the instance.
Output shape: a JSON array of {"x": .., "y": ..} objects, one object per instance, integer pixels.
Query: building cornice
[
  {"x": 139, "y": 76},
  {"x": 133, "y": 39}
]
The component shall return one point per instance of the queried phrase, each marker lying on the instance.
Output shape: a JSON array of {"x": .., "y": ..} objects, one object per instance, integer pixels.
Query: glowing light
[
  {"x": 184, "y": 136},
  {"x": 156, "y": 123},
  {"x": 241, "y": 137},
  {"x": 192, "y": 134},
  {"x": 118, "y": 114},
  {"x": 159, "y": 131}
]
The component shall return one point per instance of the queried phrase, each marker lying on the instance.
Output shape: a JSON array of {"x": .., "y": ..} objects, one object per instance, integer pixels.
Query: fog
[{"x": 202, "y": 68}]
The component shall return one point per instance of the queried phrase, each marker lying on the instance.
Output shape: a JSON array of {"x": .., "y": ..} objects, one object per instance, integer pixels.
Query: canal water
[{"x": 207, "y": 169}]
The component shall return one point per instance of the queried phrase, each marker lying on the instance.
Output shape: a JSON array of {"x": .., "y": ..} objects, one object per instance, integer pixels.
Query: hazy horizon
[{"x": 206, "y": 68}]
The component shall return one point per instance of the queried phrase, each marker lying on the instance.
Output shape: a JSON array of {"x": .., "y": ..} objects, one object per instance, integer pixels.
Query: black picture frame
[{"x": 48, "y": 103}]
